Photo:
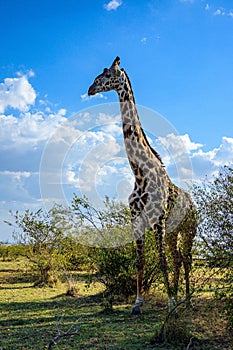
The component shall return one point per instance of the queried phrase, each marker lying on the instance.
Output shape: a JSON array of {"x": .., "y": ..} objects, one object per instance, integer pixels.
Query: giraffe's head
[{"x": 110, "y": 79}]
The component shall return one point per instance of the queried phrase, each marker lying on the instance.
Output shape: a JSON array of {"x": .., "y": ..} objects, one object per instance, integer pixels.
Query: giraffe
[{"x": 155, "y": 203}]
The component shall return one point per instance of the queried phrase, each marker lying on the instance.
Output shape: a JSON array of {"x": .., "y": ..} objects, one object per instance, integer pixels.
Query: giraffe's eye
[{"x": 108, "y": 75}]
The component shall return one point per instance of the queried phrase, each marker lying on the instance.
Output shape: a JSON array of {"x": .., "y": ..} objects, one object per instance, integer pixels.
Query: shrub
[
  {"x": 107, "y": 227},
  {"x": 215, "y": 209}
]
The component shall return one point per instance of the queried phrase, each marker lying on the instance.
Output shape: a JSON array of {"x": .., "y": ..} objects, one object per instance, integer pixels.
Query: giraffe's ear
[
  {"x": 115, "y": 66},
  {"x": 116, "y": 62}
]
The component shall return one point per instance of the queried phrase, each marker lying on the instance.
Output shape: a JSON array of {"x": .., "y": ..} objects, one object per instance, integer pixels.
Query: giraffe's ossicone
[{"x": 155, "y": 203}]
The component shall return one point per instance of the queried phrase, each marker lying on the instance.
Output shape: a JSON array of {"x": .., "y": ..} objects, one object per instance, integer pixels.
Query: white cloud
[
  {"x": 62, "y": 112},
  {"x": 178, "y": 144},
  {"x": 203, "y": 165},
  {"x": 89, "y": 163},
  {"x": 17, "y": 93},
  {"x": 104, "y": 118},
  {"x": 222, "y": 155},
  {"x": 116, "y": 178},
  {"x": 85, "y": 97},
  {"x": 144, "y": 40},
  {"x": 112, "y": 5},
  {"x": 186, "y": 160},
  {"x": 102, "y": 148},
  {"x": 176, "y": 152},
  {"x": 223, "y": 12},
  {"x": 71, "y": 177},
  {"x": 207, "y": 163},
  {"x": 16, "y": 186},
  {"x": 17, "y": 175},
  {"x": 106, "y": 170},
  {"x": 29, "y": 129},
  {"x": 112, "y": 129},
  {"x": 219, "y": 12}
]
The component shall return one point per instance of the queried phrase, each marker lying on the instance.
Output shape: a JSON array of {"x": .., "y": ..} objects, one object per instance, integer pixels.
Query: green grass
[{"x": 30, "y": 317}]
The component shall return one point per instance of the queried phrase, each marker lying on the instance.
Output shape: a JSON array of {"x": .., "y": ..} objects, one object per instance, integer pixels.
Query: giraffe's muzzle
[{"x": 91, "y": 90}]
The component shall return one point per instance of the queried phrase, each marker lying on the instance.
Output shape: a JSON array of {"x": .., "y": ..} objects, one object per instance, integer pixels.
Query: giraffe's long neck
[{"x": 136, "y": 143}]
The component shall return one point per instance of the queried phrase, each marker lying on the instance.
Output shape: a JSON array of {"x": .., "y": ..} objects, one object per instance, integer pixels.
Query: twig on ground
[
  {"x": 71, "y": 331},
  {"x": 62, "y": 335},
  {"x": 161, "y": 335},
  {"x": 189, "y": 344}
]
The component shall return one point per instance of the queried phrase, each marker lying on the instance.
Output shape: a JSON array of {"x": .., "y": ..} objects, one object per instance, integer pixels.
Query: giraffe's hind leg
[
  {"x": 171, "y": 240},
  {"x": 187, "y": 243},
  {"x": 159, "y": 230}
]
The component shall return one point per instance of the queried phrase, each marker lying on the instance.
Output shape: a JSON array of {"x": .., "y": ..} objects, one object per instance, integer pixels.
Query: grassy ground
[{"x": 31, "y": 317}]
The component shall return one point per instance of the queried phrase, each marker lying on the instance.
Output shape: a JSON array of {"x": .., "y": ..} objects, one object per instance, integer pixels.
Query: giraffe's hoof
[{"x": 136, "y": 310}]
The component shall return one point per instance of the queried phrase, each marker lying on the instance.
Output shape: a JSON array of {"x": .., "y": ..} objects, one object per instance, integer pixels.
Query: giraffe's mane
[
  {"x": 156, "y": 154},
  {"x": 151, "y": 148}
]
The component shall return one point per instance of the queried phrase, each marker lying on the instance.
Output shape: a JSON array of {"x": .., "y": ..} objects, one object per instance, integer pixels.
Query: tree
[
  {"x": 42, "y": 234},
  {"x": 108, "y": 226},
  {"x": 215, "y": 208}
]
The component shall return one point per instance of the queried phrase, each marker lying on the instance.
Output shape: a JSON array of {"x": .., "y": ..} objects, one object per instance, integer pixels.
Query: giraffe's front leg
[
  {"x": 140, "y": 268},
  {"x": 138, "y": 226}
]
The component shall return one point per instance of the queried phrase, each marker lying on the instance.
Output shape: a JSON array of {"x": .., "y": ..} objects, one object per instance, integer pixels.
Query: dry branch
[{"x": 71, "y": 331}]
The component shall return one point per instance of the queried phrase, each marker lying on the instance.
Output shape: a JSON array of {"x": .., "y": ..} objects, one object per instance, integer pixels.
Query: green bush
[
  {"x": 41, "y": 234},
  {"x": 215, "y": 210},
  {"x": 115, "y": 268},
  {"x": 11, "y": 252},
  {"x": 110, "y": 226}
]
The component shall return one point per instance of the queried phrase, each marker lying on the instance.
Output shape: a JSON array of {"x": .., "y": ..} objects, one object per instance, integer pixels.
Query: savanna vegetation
[{"x": 70, "y": 284}]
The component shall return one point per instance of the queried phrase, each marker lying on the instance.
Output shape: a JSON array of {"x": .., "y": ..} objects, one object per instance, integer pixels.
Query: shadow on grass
[
  {"x": 9, "y": 270},
  {"x": 31, "y": 325},
  {"x": 15, "y": 288},
  {"x": 18, "y": 276},
  {"x": 24, "y": 278}
]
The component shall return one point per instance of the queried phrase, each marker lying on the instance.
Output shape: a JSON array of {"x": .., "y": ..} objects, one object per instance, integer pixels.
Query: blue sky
[{"x": 179, "y": 56}]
